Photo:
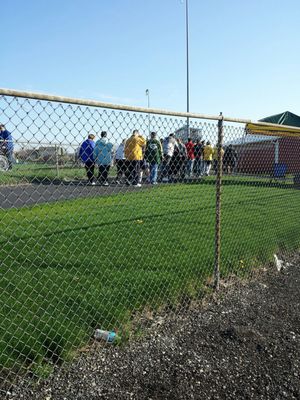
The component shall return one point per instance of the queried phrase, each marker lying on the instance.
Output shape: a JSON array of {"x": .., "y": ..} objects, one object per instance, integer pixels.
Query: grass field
[
  {"x": 34, "y": 172},
  {"x": 27, "y": 173},
  {"x": 69, "y": 267}
]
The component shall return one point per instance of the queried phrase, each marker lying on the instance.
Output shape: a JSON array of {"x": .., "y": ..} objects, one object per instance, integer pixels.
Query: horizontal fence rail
[
  {"x": 111, "y": 212},
  {"x": 94, "y": 103}
]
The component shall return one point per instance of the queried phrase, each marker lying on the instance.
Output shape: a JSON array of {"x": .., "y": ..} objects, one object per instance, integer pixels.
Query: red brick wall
[
  {"x": 259, "y": 157},
  {"x": 289, "y": 153},
  {"x": 256, "y": 158}
]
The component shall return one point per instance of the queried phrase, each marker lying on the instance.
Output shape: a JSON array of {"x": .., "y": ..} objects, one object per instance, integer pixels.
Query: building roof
[
  {"x": 246, "y": 139},
  {"x": 285, "y": 118}
]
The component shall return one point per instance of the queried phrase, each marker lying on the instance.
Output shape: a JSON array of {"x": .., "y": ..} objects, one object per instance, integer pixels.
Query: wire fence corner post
[
  {"x": 218, "y": 204},
  {"x": 56, "y": 161}
]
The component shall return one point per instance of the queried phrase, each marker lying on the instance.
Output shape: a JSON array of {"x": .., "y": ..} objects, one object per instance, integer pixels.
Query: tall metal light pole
[
  {"x": 148, "y": 95},
  {"x": 187, "y": 66}
]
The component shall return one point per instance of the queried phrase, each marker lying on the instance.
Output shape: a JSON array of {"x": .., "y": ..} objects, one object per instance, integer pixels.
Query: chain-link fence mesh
[{"x": 102, "y": 219}]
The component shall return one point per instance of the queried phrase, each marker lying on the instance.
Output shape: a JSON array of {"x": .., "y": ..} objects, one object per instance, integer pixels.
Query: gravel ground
[{"x": 243, "y": 344}]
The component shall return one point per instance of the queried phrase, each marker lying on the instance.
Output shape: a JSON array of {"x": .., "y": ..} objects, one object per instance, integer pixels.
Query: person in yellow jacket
[
  {"x": 215, "y": 158},
  {"x": 134, "y": 155},
  {"x": 207, "y": 157}
]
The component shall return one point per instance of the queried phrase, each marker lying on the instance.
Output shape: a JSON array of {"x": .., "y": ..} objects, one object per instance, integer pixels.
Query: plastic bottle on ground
[{"x": 107, "y": 336}]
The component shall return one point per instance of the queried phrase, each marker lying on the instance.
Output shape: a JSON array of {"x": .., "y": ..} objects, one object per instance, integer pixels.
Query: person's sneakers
[
  {"x": 105, "y": 184},
  {"x": 153, "y": 183},
  {"x": 165, "y": 180},
  {"x": 137, "y": 185},
  {"x": 93, "y": 183}
]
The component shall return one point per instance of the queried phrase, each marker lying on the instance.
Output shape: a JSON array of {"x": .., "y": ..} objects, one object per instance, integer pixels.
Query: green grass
[
  {"x": 37, "y": 172},
  {"x": 69, "y": 267},
  {"x": 27, "y": 173}
]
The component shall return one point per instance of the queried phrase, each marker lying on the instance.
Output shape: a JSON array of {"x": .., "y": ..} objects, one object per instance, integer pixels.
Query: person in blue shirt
[
  {"x": 103, "y": 154},
  {"x": 6, "y": 144},
  {"x": 86, "y": 154}
]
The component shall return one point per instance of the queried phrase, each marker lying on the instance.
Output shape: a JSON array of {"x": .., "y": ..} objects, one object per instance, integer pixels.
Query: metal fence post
[
  {"x": 56, "y": 161},
  {"x": 218, "y": 205}
]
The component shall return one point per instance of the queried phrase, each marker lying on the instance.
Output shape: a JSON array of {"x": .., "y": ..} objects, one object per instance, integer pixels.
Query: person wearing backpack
[{"x": 153, "y": 155}]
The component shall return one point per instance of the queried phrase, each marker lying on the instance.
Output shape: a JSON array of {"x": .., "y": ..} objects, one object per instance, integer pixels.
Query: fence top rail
[
  {"x": 95, "y": 103},
  {"x": 121, "y": 107}
]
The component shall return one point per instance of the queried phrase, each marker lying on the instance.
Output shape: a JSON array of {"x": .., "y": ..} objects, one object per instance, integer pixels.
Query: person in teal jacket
[{"x": 103, "y": 155}]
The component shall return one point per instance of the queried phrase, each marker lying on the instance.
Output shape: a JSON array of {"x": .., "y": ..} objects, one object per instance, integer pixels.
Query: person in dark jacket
[
  {"x": 86, "y": 154},
  {"x": 179, "y": 161},
  {"x": 230, "y": 159},
  {"x": 198, "y": 158},
  {"x": 153, "y": 155}
]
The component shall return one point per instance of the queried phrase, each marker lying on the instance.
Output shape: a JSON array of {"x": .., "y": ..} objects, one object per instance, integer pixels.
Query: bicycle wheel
[{"x": 4, "y": 166}]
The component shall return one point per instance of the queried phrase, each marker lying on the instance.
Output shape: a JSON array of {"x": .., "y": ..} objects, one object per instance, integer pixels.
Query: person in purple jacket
[{"x": 86, "y": 154}]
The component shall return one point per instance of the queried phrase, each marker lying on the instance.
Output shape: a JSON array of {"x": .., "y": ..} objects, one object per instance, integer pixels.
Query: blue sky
[{"x": 244, "y": 55}]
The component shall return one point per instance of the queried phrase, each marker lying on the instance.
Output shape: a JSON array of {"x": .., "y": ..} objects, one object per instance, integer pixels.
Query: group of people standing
[
  {"x": 129, "y": 158},
  {"x": 185, "y": 159},
  {"x": 165, "y": 160},
  {"x": 194, "y": 158}
]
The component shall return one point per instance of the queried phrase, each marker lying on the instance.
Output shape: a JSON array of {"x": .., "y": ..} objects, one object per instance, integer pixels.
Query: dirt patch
[{"x": 244, "y": 344}]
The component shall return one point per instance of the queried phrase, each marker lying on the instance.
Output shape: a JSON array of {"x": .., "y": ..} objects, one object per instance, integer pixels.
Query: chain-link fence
[{"x": 108, "y": 211}]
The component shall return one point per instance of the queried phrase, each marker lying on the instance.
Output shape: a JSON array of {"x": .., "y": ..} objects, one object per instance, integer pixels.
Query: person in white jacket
[
  {"x": 120, "y": 161},
  {"x": 169, "y": 145}
]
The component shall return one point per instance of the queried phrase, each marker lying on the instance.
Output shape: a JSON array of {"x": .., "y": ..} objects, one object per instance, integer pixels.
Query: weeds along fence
[{"x": 84, "y": 252}]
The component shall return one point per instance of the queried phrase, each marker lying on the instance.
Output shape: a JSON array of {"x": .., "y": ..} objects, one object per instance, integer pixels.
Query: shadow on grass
[
  {"x": 137, "y": 219},
  {"x": 240, "y": 181}
]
